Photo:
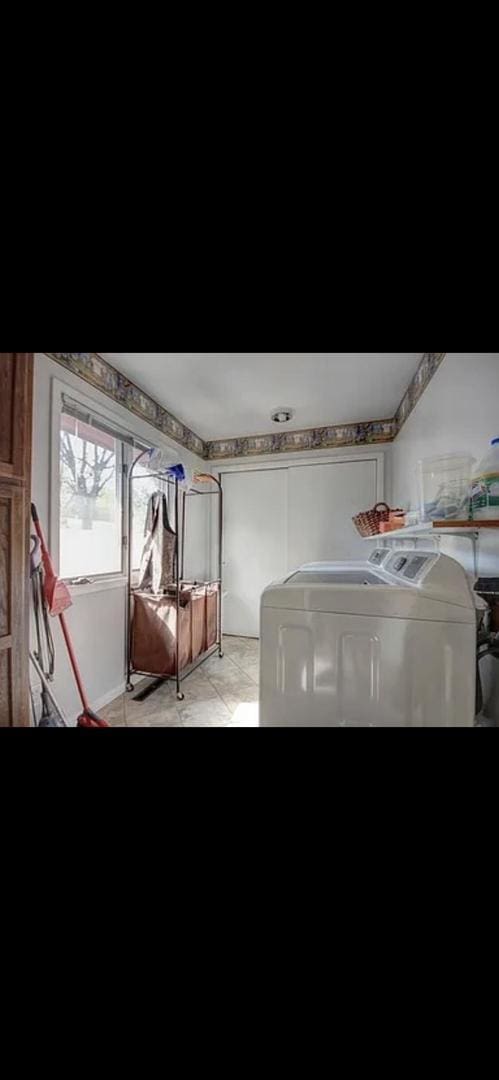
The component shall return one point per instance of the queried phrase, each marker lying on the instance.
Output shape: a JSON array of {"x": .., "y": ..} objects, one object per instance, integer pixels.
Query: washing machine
[{"x": 386, "y": 642}]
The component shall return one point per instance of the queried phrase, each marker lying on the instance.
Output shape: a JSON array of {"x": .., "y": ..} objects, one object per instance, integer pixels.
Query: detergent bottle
[{"x": 485, "y": 488}]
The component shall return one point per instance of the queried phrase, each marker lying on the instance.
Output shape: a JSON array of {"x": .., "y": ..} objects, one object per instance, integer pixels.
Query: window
[
  {"x": 91, "y": 515},
  {"x": 91, "y": 499}
]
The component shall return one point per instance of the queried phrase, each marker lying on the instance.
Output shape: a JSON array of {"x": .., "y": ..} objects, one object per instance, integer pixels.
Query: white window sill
[{"x": 97, "y": 586}]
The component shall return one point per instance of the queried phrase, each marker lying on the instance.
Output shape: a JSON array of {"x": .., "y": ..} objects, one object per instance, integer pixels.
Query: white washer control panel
[
  {"x": 410, "y": 565},
  {"x": 379, "y": 556}
]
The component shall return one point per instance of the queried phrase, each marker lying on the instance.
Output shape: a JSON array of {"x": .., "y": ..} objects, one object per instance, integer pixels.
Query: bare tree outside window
[
  {"x": 86, "y": 470},
  {"x": 91, "y": 525}
]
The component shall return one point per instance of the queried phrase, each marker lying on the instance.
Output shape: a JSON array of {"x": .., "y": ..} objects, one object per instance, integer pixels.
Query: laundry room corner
[{"x": 227, "y": 540}]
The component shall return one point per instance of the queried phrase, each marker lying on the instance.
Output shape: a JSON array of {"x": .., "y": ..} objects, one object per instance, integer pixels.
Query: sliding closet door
[
  {"x": 322, "y": 501},
  {"x": 16, "y": 374},
  {"x": 255, "y": 540},
  {"x": 278, "y": 519}
]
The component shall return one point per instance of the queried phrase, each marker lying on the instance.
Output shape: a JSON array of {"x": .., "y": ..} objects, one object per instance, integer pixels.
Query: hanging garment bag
[{"x": 158, "y": 558}]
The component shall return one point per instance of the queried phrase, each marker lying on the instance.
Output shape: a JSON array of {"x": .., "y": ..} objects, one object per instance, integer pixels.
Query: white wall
[
  {"x": 459, "y": 411},
  {"x": 97, "y": 618}
]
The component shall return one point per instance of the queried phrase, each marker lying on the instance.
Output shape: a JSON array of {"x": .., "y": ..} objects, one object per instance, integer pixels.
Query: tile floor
[{"x": 220, "y": 693}]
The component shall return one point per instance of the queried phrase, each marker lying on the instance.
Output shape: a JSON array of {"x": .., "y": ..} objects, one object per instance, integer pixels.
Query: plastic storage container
[
  {"x": 445, "y": 487},
  {"x": 485, "y": 489}
]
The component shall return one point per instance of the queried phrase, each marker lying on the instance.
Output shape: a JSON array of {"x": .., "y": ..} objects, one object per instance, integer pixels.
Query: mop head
[{"x": 88, "y": 719}]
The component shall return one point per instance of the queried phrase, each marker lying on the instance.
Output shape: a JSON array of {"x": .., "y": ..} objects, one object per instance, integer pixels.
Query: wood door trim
[
  {"x": 17, "y": 607},
  {"x": 23, "y": 431},
  {"x": 15, "y": 495},
  {"x": 17, "y": 470}
]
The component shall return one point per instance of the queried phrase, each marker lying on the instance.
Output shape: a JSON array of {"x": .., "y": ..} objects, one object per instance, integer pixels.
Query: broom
[{"x": 58, "y": 600}]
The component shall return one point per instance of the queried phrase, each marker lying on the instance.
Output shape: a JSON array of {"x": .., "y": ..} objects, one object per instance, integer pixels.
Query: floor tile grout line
[
  {"x": 226, "y": 703},
  {"x": 247, "y": 678},
  {"x": 246, "y": 673},
  {"x": 221, "y": 696},
  {"x": 238, "y": 665}
]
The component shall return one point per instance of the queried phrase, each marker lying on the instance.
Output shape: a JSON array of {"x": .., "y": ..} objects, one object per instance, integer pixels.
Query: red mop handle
[
  {"x": 88, "y": 718},
  {"x": 74, "y": 664}
]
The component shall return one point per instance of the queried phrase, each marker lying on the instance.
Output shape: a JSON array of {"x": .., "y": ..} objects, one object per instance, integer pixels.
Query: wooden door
[{"x": 16, "y": 392}]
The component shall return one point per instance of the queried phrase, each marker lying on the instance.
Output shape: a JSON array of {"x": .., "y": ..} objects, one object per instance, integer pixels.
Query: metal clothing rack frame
[{"x": 180, "y": 531}]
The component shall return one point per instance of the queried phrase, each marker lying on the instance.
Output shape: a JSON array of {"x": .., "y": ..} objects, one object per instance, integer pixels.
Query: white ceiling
[{"x": 219, "y": 395}]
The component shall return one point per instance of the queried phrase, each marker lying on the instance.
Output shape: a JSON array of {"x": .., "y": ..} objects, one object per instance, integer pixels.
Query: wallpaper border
[
  {"x": 428, "y": 367},
  {"x": 323, "y": 438},
  {"x": 100, "y": 373},
  {"x": 363, "y": 433}
]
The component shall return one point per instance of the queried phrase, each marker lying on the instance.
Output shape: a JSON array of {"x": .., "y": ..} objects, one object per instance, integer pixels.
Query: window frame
[
  {"x": 139, "y": 440},
  {"x": 97, "y": 582}
]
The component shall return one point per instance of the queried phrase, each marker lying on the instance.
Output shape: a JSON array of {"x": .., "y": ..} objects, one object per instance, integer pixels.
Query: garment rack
[{"x": 180, "y": 533}]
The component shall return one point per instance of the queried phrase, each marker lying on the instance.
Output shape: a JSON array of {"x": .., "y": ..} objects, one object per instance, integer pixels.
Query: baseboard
[{"x": 107, "y": 698}]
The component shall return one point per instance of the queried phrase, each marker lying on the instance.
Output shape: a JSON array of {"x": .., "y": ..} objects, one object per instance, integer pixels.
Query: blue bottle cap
[{"x": 495, "y": 442}]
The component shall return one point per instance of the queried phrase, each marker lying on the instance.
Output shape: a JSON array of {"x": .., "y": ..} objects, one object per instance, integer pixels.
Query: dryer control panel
[
  {"x": 379, "y": 556},
  {"x": 410, "y": 565}
]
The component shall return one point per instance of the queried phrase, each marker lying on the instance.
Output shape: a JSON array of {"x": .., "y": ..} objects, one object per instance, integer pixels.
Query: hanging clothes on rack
[
  {"x": 157, "y": 569},
  {"x": 173, "y": 625}
]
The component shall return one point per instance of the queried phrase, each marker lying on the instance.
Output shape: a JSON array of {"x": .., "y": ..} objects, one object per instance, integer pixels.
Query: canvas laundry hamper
[
  {"x": 155, "y": 631},
  {"x": 204, "y": 623},
  {"x": 154, "y": 628}
]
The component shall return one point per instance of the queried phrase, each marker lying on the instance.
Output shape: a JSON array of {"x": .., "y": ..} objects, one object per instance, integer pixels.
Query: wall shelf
[
  {"x": 437, "y": 528},
  {"x": 444, "y": 525}
]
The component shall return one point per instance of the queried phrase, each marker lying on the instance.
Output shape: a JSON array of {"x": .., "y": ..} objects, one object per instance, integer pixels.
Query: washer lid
[
  {"x": 335, "y": 577},
  {"x": 411, "y": 585}
]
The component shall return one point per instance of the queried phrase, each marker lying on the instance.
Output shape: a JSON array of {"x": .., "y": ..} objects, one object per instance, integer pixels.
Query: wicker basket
[{"x": 368, "y": 523}]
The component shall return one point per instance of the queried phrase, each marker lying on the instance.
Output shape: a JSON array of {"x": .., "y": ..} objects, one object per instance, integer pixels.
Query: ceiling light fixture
[{"x": 282, "y": 416}]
